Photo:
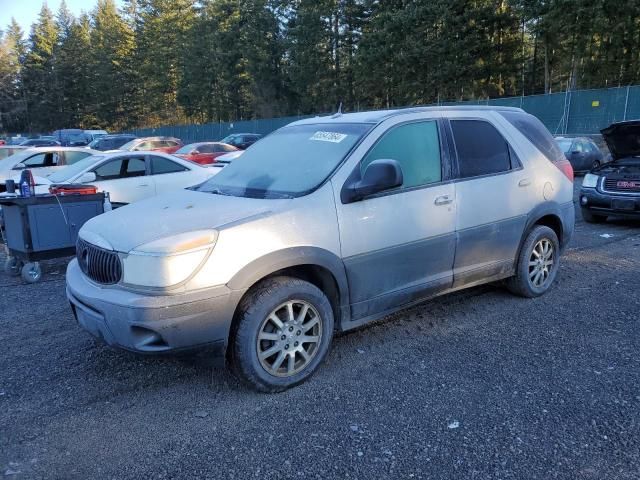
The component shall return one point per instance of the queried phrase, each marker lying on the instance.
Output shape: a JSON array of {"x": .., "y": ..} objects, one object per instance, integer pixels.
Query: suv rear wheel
[
  {"x": 537, "y": 264},
  {"x": 284, "y": 330}
]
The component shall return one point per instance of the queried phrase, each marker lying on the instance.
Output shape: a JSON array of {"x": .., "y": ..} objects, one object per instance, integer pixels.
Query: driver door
[{"x": 398, "y": 246}]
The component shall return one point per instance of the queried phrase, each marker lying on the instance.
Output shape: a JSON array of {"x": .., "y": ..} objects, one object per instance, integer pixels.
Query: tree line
[{"x": 155, "y": 62}]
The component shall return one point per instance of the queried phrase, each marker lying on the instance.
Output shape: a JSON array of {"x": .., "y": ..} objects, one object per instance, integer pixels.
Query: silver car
[{"x": 325, "y": 225}]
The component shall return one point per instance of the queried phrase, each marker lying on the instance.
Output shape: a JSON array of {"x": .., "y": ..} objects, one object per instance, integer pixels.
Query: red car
[
  {"x": 156, "y": 144},
  {"x": 204, "y": 152}
]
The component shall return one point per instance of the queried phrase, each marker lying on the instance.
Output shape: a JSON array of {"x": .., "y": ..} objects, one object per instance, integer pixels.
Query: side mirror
[
  {"x": 19, "y": 166},
  {"x": 87, "y": 177},
  {"x": 380, "y": 175}
]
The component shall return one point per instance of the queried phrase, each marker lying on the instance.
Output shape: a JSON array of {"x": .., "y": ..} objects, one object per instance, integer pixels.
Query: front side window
[
  {"x": 290, "y": 162},
  {"x": 49, "y": 159},
  {"x": 578, "y": 147},
  {"x": 36, "y": 161},
  {"x": 416, "y": 147},
  {"x": 121, "y": 168},
  {"x": 160, "y": 165},
  {"x": 481, "y": 149}
]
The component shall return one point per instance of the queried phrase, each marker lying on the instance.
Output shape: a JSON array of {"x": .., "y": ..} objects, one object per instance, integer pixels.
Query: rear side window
[
  {"x": 73, "y": 157},
  {"x": 534, "y": 130},
  {"x": 481, "y": 149},
  {"x": 207, "y": 148},
  {"x": 160, "y": 165},
  {"x": 416, "y": 146}
]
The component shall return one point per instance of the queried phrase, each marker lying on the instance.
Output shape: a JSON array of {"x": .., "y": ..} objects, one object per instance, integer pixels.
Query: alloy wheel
[
  {"x": 289, "y": 338},
  {"x": 541, "y": 262}
]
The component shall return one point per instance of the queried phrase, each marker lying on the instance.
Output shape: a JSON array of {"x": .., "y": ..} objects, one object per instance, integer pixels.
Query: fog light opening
[
  {"x": 584, "y": 200},
  {"x": 147, "y": 339}
]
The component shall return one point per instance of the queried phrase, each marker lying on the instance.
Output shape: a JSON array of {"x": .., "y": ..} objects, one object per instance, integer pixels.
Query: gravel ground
[{"x": 477, "y": 384}]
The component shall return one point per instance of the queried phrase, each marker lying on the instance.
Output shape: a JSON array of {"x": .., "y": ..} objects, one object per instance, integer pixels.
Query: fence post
[
  {"x": 566, "y": 119},
  {"x": 626, "y": 103}
]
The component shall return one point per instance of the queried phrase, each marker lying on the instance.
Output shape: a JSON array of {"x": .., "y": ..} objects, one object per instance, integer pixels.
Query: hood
[
  {"x": 624, "y": 167},
  {"x": 623, "y": 139},
  {"x": 158, "y": 217}
]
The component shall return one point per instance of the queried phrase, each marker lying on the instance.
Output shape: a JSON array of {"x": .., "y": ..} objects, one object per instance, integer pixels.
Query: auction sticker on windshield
[{"x": 333, "y": 137}]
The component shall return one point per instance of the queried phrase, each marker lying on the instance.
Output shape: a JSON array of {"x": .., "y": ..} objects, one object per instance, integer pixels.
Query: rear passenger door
[
  {"x": 398, "y": 246},
  {"x": 493, "y": 200}
]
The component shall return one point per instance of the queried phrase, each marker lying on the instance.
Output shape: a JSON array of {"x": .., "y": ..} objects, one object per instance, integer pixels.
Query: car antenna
[{"x": 338, "y": 113}]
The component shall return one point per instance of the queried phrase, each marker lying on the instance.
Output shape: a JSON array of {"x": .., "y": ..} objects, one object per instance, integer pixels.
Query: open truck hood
[{"x": 623, "y": 139}]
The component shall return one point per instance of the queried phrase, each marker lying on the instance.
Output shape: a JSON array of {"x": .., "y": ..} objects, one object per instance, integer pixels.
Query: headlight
[
  {"x": 590, "y": 180},
  {"x": 168, "y": 261}
]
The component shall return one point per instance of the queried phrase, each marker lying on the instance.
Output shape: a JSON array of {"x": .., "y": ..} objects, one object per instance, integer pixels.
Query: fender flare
[
  {"x": 293, "y": 257},
  {"x": 546, "y": 209}
]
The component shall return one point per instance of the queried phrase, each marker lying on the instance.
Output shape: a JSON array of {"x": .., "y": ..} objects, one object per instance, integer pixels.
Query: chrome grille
[
  {"x": 101, "y": 266},
  {"x": 629, "y": 186}
]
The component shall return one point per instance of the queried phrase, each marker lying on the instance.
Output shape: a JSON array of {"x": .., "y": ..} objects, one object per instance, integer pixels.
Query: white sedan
[
  {"x": 130, "y": 176},
  {"x": 42, "y": 161}
]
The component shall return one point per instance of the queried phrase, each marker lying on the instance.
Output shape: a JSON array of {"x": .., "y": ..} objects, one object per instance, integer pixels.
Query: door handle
[
  {"x": 443, "y": 200},
  {"x": 143, "y": 185},
  {"x": 525, "y": 182}
]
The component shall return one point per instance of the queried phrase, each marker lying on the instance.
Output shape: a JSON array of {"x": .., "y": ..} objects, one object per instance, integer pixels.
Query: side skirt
[{"x": 347, "y": 326}]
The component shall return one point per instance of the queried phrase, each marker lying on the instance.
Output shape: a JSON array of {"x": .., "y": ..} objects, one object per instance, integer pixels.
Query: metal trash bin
[{"x": 44, "y": 227}]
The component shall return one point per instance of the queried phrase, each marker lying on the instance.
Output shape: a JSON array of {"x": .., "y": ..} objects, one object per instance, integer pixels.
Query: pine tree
[
  {"x": 39, "y": 74},
  {"x": 12, "y": 104}
]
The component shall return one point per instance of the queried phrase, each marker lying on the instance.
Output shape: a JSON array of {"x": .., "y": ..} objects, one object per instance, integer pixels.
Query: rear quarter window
[{"x": 534, "y": 130}]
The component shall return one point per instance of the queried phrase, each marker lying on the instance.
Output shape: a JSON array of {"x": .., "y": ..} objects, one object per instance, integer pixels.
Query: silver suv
[{"x": 325, "y": 225}]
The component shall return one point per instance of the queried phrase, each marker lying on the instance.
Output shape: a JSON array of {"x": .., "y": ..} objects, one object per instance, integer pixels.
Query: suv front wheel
[
  {"x": 283, "y": 332},
  {"x": 537, "y": 264}
]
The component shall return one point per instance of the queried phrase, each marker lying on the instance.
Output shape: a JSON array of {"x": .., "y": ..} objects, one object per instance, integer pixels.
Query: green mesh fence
[{"x": 564, "y": 113}]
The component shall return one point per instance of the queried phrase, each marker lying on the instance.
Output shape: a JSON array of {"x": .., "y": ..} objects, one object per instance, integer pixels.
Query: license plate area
[{"x": 623, "y": 205}]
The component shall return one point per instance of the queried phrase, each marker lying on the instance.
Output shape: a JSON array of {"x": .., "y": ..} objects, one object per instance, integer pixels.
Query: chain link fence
[{"x": 577, "y": 112}]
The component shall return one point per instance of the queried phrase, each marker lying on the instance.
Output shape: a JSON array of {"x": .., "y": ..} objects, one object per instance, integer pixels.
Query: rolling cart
[{"x": 44, "y": 227}]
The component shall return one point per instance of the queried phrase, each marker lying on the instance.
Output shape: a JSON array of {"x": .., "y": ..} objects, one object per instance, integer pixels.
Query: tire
[
  {"x": 12, "y": 266},
  {"x": 273, "y": 311},
  {"x": 592, "y": 218},
  {"x": 526, "y": 282},
  {"x": 31, "y": 272}
]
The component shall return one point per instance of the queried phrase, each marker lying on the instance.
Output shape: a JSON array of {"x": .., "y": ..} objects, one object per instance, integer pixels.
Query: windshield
[
  {"x": 287, "y": 163},
  {"x": 94, "y": 143},
  {"x": 71, "y": 171},
  {"x": 564, "y": 144},
  {"x": 187, "y": 149},
  {"x": 228, "y": 138}
]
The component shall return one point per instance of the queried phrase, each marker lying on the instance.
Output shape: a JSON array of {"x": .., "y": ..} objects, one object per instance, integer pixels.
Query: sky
[{"x": 26, "y": 11}]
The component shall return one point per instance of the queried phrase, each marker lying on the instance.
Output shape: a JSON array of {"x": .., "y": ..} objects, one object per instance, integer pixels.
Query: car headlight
[
  {"x": 590, "y": 180},
  {"x": 168, "y": 261}
]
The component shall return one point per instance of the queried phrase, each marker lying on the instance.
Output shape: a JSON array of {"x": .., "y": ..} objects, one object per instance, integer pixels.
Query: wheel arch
[
  {"x": 559, "y": 218},
  {"x": 315, "y": 265}
]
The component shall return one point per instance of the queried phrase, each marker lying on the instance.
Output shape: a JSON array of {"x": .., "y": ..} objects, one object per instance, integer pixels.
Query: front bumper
[
  {"x": 600, "y": 203},
  {"x": 152, "y": 324}
]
